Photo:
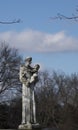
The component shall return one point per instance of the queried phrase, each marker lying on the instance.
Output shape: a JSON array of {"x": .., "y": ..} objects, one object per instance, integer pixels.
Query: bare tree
[
  {"x": 57, "y": 100},
  {"x": 46, "y": 100},
  {"x": 9, "y": 67}
]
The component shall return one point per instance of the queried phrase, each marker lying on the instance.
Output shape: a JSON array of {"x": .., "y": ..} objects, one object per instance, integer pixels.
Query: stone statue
[{"x": 28, "y": 77}]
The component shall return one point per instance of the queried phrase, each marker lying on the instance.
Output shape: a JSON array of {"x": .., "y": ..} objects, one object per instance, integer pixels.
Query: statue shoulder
[
  {"x": 22, "y": 65},
  {"x": 23, "y": 68}
]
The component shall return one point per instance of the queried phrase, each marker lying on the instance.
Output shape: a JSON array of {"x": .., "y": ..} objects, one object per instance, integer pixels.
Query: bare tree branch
[
  {"x": 10, "y": 22},
  {"x": 73, "y": 17},
  {"x": 63, "y": 17}
]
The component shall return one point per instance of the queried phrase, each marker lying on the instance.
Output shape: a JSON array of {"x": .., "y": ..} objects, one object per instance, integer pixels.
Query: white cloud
[{"x": 35, "y": 41}]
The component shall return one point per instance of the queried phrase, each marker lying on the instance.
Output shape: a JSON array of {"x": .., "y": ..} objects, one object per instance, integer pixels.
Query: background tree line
[{"x": 56, "y": 94}]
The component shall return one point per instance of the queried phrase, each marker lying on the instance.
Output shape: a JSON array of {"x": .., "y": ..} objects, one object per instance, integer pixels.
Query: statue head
[
  {"x": 37, "y": 66},
  {"x": 28, "y": 60}
]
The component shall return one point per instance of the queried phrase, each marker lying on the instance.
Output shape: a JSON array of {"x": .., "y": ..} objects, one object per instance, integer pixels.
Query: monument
[{"x": 28, "y": 77}]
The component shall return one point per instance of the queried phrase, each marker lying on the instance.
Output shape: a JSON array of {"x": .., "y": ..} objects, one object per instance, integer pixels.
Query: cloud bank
[{"x": 36, "y": 41}]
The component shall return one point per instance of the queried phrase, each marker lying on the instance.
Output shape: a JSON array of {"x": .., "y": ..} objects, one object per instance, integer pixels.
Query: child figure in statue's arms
[
  {"x": 34, "y": 77},
  {"x": 29, "y": 74}
]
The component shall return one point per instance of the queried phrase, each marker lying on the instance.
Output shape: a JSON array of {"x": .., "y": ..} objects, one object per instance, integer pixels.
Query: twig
[
  {"x": 60, "y": 16},
  {"x": 10, "y": 22}
]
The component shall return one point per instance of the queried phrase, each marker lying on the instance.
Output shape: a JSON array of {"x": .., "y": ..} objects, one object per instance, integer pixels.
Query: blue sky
[{"x": 51, "y": 43}]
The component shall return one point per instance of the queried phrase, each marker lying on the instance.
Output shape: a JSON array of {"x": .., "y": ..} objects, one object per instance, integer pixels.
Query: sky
[{"x": 51, "y": 43}]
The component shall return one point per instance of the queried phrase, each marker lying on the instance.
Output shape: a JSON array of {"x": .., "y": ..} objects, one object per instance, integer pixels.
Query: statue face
[
  {"x": 37, "y": 67},
  {"x": 28, "y": 63}
]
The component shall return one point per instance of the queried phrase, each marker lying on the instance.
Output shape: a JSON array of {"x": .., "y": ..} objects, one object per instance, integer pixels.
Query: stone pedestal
[{"x": 27, "y": 126}]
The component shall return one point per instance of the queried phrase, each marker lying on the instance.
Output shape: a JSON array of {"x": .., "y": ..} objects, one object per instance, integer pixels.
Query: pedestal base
[
  {"x": 30, "y": 126},
  {"x": 27, "y": 126}
]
